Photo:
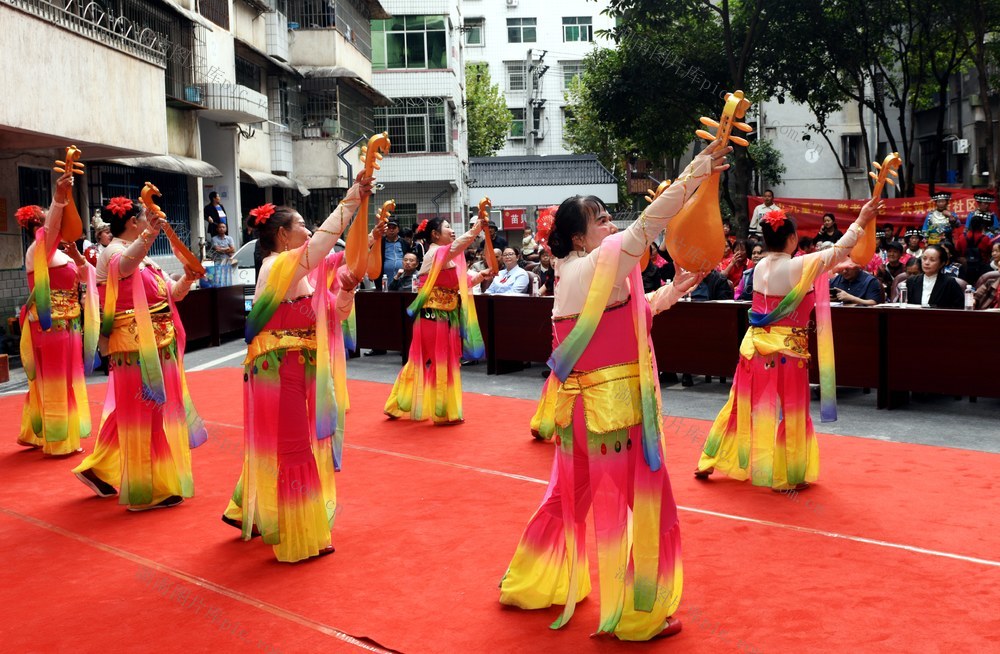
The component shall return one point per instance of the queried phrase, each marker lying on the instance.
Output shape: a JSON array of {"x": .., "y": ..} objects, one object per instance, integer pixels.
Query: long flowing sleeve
[
  {"x": 326, "y": 235},
  {"x": 663, "y": 298}
]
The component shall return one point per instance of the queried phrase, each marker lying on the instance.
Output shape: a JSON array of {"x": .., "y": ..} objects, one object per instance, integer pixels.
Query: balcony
[
  {"x": 233, "y": 103},
  {"x": 276, "y": 27},
  {"x": 418, "y": 83},
  {"x": 405, "y": 168}
]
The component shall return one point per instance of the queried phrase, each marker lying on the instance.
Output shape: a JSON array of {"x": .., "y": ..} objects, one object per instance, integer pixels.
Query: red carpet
[{"x": 430, "y": 517}]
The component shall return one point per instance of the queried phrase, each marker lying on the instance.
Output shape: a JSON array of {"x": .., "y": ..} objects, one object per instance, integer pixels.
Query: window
[
  {"x": 474, "y": 35},
  {"x": 409, "y": 42},
  {"x": 516, "y": 78},
  {"x": 405, "y": 214},
  {"x": 248, "y": 74},
  {"x": 517, "y": 127},
  {"x": 578, "y": 28},
  {"x": 571, "y": 70},
  {"x": 521, "y": 30},
  {"x": 851, "y": 150},
  {"x": 568, "y": 124},
  {"x": 414, "y": 125}
]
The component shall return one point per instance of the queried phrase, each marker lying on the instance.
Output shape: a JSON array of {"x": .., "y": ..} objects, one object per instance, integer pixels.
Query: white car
[{"x": 246, "y": 272}]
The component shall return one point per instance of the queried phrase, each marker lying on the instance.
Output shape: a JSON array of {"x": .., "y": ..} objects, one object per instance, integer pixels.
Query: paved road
[{"x": 938, "y": 420}]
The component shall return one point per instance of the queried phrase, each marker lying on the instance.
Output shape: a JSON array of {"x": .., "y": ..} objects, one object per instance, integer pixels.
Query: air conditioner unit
[
  {"x": 511, "y": 3},
  {"x": 960, "y": 146}
]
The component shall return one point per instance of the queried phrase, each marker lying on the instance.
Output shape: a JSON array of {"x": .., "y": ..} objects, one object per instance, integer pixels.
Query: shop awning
[
  {"x": 267, "y": 180},
  {"x": 171, "y": 163}
]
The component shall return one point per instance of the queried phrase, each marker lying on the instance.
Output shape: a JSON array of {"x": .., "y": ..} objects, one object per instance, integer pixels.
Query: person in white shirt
[
  {"x": 759, "y": 212},
  {"x": 512, "y": 279}
]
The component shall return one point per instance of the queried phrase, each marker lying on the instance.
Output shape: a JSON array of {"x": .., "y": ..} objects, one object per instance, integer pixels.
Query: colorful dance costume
[
  {"x": 294, "y": 401},
  {"x": 149, "y": 422},
  {"x": 602, "y": 403},
  {"x": 56, "y": 412},
  {"x": 445, "y": 330},
  {"x": 764, "y": 432}
]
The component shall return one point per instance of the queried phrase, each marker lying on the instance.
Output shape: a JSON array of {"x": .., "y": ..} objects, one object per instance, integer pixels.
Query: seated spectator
[
  {"x": 934, "y": 288},
  {"x": 828, "y": 232},
  {"x": 223, "y": 246},
  {"x": 744, "y": 290},
  {"x": 974, "y": 249},
  {"x": 499, "y": 242},
  {"x": 480, "y": 264},
  {"x": 806, "y": 246},
  {"x": 855, "y": 286},
  {"x": 913, "y": 267},
  {"x": 913, "y": 239},
  {"x": 734, "y": 261},
  {"x": 894, "y": 264},
  {"x": 546, "y": 274},
  {"x": 512, "y": 279},
  {"x": 529, "y": 248},
  {"x": 995, "y": 256},
  {"x": 953, "y": 265},
  {"x": 988, "y": 295},
  {"x": 403, "y": 279},
  {"x": 713, "y": 287},
  {"x": 651, "y": 275}
]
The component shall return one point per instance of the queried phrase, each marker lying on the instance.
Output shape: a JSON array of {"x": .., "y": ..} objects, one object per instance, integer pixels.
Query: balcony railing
[{"x": 130, "y": 31}]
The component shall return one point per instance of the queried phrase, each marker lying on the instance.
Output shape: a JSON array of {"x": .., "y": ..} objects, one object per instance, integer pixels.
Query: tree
[
  {"x": 489, "y": 119},
  {"x": 767, "y": 164},
  {"x": 985, "y": 56}
]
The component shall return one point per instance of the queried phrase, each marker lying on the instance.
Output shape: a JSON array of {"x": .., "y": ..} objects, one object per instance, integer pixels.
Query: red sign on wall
[{"x": 514, "y": 218}]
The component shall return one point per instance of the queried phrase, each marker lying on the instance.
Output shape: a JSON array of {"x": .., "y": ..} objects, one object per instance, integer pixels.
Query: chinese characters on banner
[
  {"x": 514, "y": 218},
  {"x": 900, "y": 213}
]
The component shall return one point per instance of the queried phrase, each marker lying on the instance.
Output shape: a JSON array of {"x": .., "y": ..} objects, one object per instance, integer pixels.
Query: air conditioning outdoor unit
[
  {"x": 511, "y": 3},
  {"x": 960, "y": 146}
]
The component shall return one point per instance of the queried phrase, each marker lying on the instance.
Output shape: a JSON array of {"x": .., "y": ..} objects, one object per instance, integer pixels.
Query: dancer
[
  {"x": 445, "y": 329},
  {"x": 53, "y": 346},
  {"x": 605, "y": 416},
  {"x": 764, "y": 432},
  {"x": 149, "y": 423},
  {"x": 293, "y": 401}
]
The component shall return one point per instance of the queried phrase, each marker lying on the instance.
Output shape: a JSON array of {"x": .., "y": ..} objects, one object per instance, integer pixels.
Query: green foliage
[
  {"x": 489, "y": 119},
  {"x": 766, "y": 162}
]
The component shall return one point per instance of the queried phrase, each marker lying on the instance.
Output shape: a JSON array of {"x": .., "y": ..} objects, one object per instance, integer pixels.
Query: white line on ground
[
  {"x": 215, "y": 362},
  {"x": 716, "y": 514},
  {"x": 201, "y": 582}
]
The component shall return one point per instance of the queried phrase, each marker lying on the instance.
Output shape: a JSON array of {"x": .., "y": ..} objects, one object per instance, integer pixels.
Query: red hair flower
[
  {"x": 262, "y": 213},
  {"x": 422, "y": 226},
  {"x": 775, "y": 218},
  {"x": 119, "y": 206},
  {"x": 30, "y": 216},
  {"x": 544, "y": 228}
]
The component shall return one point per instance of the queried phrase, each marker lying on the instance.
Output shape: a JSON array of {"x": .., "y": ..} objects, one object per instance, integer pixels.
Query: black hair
[
  {"x": 517, "y": 253},
  {"x": 832, "y": 217},
  {"x": 895, "y": 247},
  {"x": 117, "y": 222},
  {"x": 433, "y": 225},
  {"x": 267, "y": 232},
  {"x": 913, "y": 261},
  {"x": 406, "y": 232},
  {"x": 767, "y": 190},
  {"x": 571, "y": 220},
  {"x": 942, "y": 253},
  {"x": 212, "y": 196},
  {"x": 776, "y": 239}
]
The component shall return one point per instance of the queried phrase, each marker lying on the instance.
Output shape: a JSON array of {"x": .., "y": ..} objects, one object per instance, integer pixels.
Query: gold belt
[
  {"x": 612, "y": 399},
  {"x": 269, "y": 340},
  {"x": 442, "y": 299},
  {"x": 793, "y": 341},
  {"x": 125, "y": 334},
  {"x": 65, "y": 305}
]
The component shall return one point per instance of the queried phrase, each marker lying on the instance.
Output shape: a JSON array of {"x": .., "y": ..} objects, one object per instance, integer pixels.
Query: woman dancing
[
  {"x": 602, "y": 404},
  {"x": 149, "y": 423},
  {"x": 293, "y": 398},
  {"x": 764, "y": 432},
  {"x": 445, "y": 329},
  {"x": 55, "y": 351}
]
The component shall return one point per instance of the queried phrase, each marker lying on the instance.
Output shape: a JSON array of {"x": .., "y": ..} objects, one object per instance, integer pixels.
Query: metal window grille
[
  {"x": 319, "y": 118},
  {"x": 352, "y": 20},
  {"x": 320, "y": 202},
  {"x": 108, "y": 181},
  {"x": 121, "y": 24},
  {"x": 517, "y": 126},
  {"x": 475, "y": 32},
  {"x": 311, "y": 13},
  {"x": 34, "y": 186},
  {"x": 517, "y": 80},
  {"x": 405, "y": 42},
  {"x": 522, "y": 30},
  {"x": 578, "y": 28},
  {"x": 355, "y": 113},
  {"x": 414, "y": 125},
  {"x": 248, "y": 74},
  {"x": 216, "y": 11},
  {"x": 570, "y": 71}
]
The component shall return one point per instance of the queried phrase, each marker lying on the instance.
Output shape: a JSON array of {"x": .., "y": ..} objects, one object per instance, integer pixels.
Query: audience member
[
  {"x": 894, "y": 264},
  {"x": 214, "y": 213},
  {"x": 403, "y": 279},
  {"x": 223, "y": 247},
  {"x": 913, "y": 240},
  {"x": 974, "y": 247},
  {"x": 744, "y": 290},
  {"x": 995, "y": 256},
  {"x": 713, "y": 287},
  {"x": 546, "y": 274},
  {"x": 759, "y": 212},
  {"x": 988, "y": 295},
  {"x": 512, "y": 279},
  {"x": 828, "y": 232},
  {"x": 855, "y": 286},
  {"x": 807, "y": 246},
  {"x": 529, "y": 248},
  {"x": 934, "y": 288},
  {"x": 394, "y": 249},
  {"x": 734, "y": 261}
]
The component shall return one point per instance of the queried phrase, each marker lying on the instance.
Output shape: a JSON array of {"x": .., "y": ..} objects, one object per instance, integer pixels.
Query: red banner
[
  {"x": 514, "y": 218},
  {"x": 900, "y": 213}
]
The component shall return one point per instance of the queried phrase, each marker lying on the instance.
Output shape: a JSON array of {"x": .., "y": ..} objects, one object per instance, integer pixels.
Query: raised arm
[
  {"x": 465, "y": 240},
  {"x": 137, "y": 249},
  {"x": 53, "y": 220},
  {"x": 326, "y": 235}
]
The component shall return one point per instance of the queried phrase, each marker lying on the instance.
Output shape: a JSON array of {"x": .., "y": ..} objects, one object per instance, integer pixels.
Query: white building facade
[
  {"x": 533, "y": 50},
  {"x": 418, "y": 63}
]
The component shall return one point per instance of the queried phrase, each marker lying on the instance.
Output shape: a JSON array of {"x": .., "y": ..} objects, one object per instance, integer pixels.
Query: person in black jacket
[
  {"x": 394, "y": 248},
  {"x": 214, "y": 214},
  {"x": 934, "y": 288}
]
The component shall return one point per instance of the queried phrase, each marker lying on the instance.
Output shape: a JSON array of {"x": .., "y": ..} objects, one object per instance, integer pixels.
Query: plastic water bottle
[
  {"x": 534, "y": 286},
  {"x": 970, "y": 298},
  {"x": 902, "y": 294},
  {"x": 385, "y": 284}
]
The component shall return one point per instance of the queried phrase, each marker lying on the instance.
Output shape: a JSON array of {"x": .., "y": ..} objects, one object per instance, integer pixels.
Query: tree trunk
[
  {"x": 742, "y": 177},
  {"x": 937, "y": 161}
]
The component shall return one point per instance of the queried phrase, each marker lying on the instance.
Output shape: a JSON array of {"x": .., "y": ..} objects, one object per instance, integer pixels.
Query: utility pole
[{"x": 529, "y": 94}]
